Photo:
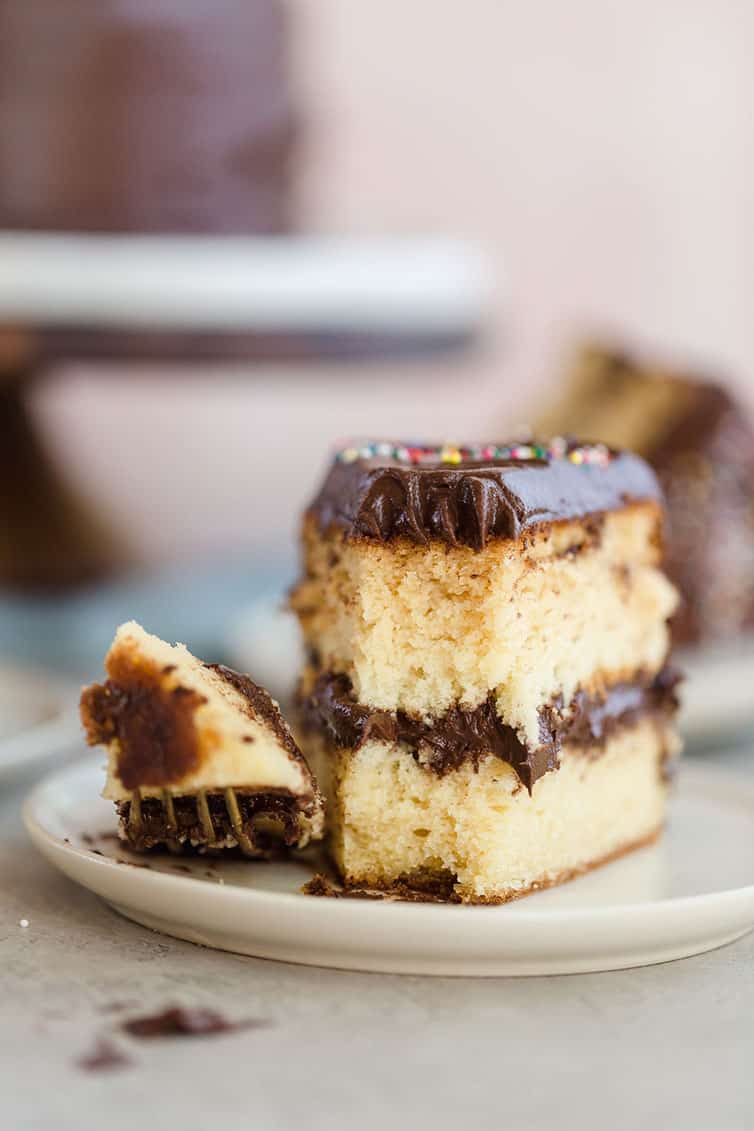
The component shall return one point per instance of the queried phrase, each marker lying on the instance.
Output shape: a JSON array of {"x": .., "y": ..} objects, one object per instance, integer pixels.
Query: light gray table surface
[{"x": 661, "y": 1047}]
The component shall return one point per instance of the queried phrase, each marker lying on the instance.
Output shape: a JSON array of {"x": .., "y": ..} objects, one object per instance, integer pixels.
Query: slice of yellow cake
[
  {"x": 488, "y": 700},
  {"x": 199, "y": 755}
]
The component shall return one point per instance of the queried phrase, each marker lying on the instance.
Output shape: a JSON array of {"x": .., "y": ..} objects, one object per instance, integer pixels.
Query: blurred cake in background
[
  {"x": 700, "y": 442},
  {"x": 126, "y": 118},
  {"x": 133, "y": 116}
]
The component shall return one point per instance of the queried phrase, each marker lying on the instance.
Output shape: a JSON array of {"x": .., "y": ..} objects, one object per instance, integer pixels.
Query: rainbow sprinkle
[{"x": 453, "y": 455}]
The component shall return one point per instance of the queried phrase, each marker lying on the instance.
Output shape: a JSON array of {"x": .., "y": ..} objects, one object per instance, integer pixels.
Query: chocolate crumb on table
[
  {"x": 178, "y": 1021},
  {"x": 105, "y": 1056}
]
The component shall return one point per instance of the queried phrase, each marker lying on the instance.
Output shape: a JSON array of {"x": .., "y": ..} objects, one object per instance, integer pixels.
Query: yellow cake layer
[
  {"x": 390, "y": 817},
  {"x": 577, "y": 605}
]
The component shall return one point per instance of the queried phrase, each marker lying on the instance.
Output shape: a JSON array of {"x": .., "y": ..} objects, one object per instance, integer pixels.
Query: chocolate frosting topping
[
  {"x": 471, "y": 503},
  {"x": 465, "y": 734}
]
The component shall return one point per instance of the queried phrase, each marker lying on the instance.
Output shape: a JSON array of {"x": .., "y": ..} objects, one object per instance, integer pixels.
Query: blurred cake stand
[{"x": 184, "y": 298}]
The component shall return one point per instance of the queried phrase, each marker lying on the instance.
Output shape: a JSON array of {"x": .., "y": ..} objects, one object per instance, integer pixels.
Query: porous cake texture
[
  {"x": 199, "y": 756},
  {"x": 487, "y": 696}
]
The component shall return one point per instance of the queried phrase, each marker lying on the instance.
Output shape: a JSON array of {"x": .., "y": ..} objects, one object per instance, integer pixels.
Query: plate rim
[
  {"x": 40, "y": 742},
  {"x": 695, "y": 776}
]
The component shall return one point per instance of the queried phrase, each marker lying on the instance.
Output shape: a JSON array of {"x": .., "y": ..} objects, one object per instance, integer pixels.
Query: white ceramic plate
[
  {"x": 718, "y": 692},
  {"x": 692, "y": 892},
  {"x": 39, "y": 720},
  {"x": 264, "y": 640},
  {"x": 717, "y": 700}
]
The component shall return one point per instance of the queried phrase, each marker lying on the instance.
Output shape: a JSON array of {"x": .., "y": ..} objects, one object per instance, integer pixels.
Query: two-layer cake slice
[
  {"x": 488, "y": 699},
  {"x": 199, "y": 755}
]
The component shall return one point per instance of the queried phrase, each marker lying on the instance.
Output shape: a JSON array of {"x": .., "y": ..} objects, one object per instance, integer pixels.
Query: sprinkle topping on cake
[
  {"x": 382, "y": 490},
  {"x": 416, "y": 454}
]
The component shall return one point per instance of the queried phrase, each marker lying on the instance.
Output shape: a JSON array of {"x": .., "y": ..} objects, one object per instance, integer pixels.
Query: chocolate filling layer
[
  {"x": 466, "y": 734},
  {"x": 472, "y": 504},
  {"x": 268, "y": 819}
]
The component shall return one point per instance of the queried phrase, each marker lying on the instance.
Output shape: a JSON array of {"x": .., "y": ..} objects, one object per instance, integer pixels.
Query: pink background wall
[{"x": 602, "y": 154}]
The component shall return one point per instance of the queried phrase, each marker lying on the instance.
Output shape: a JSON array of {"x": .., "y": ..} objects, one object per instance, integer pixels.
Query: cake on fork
[
  {"x": 199, "y": 756},
  {"x": 488, "y": 702}
]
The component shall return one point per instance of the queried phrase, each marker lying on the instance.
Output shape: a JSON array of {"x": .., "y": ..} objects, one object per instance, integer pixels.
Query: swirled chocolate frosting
[{"x": 469, "y": 498}]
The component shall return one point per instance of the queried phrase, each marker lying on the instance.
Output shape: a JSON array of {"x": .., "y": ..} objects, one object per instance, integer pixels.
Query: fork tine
[
  {"x": 244, "y": 840},
  {"x": 134, "y": 813},
  {"x": 202, "y": 810},
  {"x": 173, "y": 842}
]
